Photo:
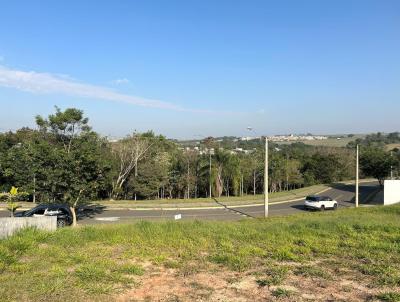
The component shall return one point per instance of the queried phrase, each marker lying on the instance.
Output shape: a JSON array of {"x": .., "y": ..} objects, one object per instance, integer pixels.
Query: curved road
[{"x": 344, "y": 194}]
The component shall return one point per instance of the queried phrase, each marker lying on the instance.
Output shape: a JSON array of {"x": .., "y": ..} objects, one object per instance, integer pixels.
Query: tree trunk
[
  {"x": 74, "y": 224},
  {"x": 136, "y": 168},
  {"x": 188, "y": 181},
  {"x": 219, "y": 183},
  {"x": 34, "y": 188},
  {"x": 242, "y": 193},
  {"x": 254, "y": 183},
  {"x": 73, "y": 207}
]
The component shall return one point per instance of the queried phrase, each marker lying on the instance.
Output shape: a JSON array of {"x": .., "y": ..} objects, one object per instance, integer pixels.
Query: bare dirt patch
[{"x": 224, "y": 285}]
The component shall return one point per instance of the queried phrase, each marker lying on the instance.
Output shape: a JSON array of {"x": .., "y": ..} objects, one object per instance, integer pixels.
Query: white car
[{"x": 320, "y": 203}]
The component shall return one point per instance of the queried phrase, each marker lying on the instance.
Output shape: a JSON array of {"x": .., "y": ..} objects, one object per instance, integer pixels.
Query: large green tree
[
  {"x": 76, "y": 171},
  {"x": 376, "y": 162}
]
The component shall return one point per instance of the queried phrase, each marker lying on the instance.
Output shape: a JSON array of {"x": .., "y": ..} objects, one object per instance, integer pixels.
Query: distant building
[
  {"x": 292, "y": 138},
  {"x": 248, "y": 138}
]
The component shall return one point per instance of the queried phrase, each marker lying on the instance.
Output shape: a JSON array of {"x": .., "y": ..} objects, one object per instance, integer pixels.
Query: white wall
[
  {"x": 391, "y": 192},
  {"x": 10, "y": 225}
]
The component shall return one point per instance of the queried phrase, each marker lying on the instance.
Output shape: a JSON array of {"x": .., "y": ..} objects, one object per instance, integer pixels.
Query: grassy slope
[{"x": 100, "y": 260}]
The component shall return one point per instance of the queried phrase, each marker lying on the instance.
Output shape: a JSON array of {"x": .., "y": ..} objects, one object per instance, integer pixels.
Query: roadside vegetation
[
  {"x": 352, "y": 254},
  {"x": 231, "y": 200},
  {"x": 64, "y": 160}
]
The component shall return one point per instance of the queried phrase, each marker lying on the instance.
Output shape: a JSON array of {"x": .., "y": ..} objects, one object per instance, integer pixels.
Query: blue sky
[{"x": 195, "y": 68}]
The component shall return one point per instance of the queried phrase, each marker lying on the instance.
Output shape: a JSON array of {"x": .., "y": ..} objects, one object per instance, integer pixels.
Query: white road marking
[
  {"x": 107, "y": 218},
  {"x": 166, "y": 217}
]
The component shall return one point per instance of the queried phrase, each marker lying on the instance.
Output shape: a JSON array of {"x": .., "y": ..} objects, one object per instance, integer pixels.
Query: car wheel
[
  {"x": 335, "y": 207},
  {"x": 322, "y": 208},
  {"x": 61, "y": 223}
]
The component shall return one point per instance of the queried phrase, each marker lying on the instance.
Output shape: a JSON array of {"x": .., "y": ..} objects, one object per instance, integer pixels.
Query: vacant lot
[
  {"x": 390, "y": 147},
  {"x": 348, "y": 255},
  {"x": 330, "y": 142}
]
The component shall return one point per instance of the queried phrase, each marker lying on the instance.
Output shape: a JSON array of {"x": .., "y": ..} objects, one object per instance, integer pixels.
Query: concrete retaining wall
[
  {"x": 8, "y": 226},
  {"x": 391, "y": 192}
]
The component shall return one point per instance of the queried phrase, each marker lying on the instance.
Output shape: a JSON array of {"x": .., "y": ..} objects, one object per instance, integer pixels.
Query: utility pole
[
  {"x": 266, "y": 179},
  {"x": 357, "y": 180},
  {"x": 287, "y": 172},
  {"x": 188, "y": 180},
  {"x": 210, "y": 177}
]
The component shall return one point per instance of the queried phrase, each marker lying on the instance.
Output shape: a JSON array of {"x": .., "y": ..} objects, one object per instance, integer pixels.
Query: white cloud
[
  {"x": 47, "y": 83},
  {"x": 120, "y": 81}
]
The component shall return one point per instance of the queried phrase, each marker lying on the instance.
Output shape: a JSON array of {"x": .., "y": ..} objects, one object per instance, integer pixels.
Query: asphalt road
[{"x": 344, "y": 194}]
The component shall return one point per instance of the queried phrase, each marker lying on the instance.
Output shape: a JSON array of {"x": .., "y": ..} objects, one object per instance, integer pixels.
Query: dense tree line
[
  {"x": 380, "y": 155},
  {"x": 63, "y": 160}
]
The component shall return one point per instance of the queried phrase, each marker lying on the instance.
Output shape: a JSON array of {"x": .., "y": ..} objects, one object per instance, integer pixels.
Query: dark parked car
[{"x": 63, "y": 213}]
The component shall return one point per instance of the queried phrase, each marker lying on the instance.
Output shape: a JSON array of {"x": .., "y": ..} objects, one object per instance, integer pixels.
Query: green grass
[
  {"x": 312, "y": 271},
  {"x": 281, "y": 293},
  {"x": 93, "y": 262},
  {"x": 389, "y": 297},
  {"x": 275, "y": 275}
]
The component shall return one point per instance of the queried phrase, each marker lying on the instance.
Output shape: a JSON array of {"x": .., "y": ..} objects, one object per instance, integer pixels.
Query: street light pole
[
  {"x": 357, "y": 180},
  {"x": 210, "y": 177},
  {"x": 266, "y": 179}
]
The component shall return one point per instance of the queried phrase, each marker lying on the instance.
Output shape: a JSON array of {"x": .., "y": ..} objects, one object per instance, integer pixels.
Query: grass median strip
[
  {"x": 99, "y": 262},
  {"x": 197, "y": 202},
  {"x": 232, "y": 201}
]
